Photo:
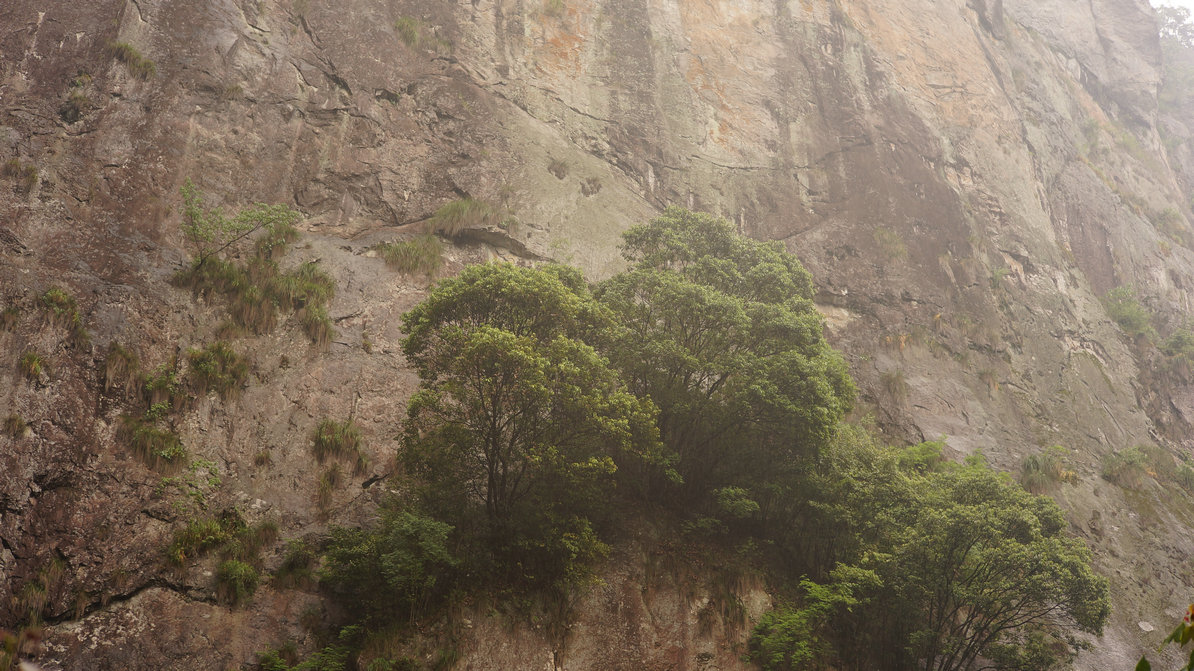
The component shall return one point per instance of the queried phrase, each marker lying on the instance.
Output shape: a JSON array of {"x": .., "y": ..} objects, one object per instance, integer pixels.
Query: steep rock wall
[{"x": 964, "y": 180}]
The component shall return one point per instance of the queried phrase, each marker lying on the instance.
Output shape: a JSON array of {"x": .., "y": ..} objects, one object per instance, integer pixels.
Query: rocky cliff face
[{"x": 963, "y": 179}]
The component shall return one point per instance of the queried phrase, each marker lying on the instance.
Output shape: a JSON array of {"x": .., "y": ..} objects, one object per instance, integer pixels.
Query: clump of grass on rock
[
  {"x": 423, "y": 254},
  {"x": 1126, "y": 468},
  {"x": 139, "y": 66},
  {"x": 236, "y": 581},
  {"x": 339, "y": 440},
  {"x": 15, "y": 426},
  {"x": 218, "y": 368},
  {"x": 157, "y": 447},
  {"x": 62, "y": 311},
  {"x": 122, "y": 370},
  {"x": 257, "y": 289},
  {"x": 33, "y": 366},
  {"x": 9, "y": 317},
  {"x": 465, "y": 213}
]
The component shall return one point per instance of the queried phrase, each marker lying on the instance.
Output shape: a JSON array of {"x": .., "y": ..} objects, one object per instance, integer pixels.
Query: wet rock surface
[{"x": 963, "y": 179}]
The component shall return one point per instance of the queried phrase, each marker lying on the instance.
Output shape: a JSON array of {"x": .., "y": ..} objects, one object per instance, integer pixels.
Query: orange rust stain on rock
[
  {"x": 703, "y": 82},
  {"x": 723, "y": 130},
  {"x": 709, "y": 89},
  {"x": 728, "y": 63},
  {"x": 563, "y": 42},
  {"x": 565, "y": 48}
]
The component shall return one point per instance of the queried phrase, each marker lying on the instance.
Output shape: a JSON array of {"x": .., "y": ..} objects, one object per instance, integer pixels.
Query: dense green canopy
[
  {"x": 945, "y": 562},
  {"x": 724, "y": 338},
  {"x": 519, "y": 425},
  {"x": 703, "y": 371}
]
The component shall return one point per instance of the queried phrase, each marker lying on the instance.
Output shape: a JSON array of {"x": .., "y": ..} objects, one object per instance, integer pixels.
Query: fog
[{"x": 1188, "y": 4}]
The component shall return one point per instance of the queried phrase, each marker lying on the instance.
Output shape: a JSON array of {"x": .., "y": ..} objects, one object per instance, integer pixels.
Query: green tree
[
  {"x": 1176, "y": 26},
  {"x": 518, "y": 419},
  {"x": 965, "y": 564},
  {"x": 399, "y": 565},
  {"x": 723, "y": 336},
  {"x": 978, "y": 566},
  {"x": 541, "y": 303},
  {"x": 986, "y": 561},
  {"x": 210, "y": 232},
  {"x": 847, "y": 502},
  {"x": 795, "y": 638}
]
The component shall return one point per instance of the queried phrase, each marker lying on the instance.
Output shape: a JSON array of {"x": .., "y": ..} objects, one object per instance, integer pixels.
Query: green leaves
[
  {"x": 256, "y": 288},
  {"x": 521, "y": 412},
  {"x": 400, "y": 564},
  {"x": 210, "y": 232},
  {"x": 981, "y": 546},
  {"x": 1181, "y": 635},
  {"x": 1123, "y": 307},
  {"x": 518, "y": 420},
  {"x": 707, "y": 250},
  {"x": 966, "y": 563},
  {"x": 723, "y": 337},
  {"x": 539, "y": 303},
  {"x": 521, "y": 415},
  {"x": 217, "y": 367},
  {"x": 793, "y": 638},
  {"x": 236, "y": 581},
  {"x": 715, "y": 329},
  {"x": 705, "y": 363}
]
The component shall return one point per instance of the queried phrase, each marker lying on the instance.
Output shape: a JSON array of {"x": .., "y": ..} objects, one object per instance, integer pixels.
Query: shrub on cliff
[
  {"x": 122, "y": 370},
  {"x": 218, "y": 368},
  {"x": 1039, "y": 471},
  {"x": 139, "y": 66},
  {"x": 1126, "y": 468},
  {"x": 33, "y": 366},
  {"x": 462, "y": 214},
  {"x": 61, "y": 310},
  {"x": 401, "y": 565},
  {"x": 155, "y": 446},
  {"x": 1123, "y": 307},
  {"x": 339, "y": 440},
  {"x": 210, "y": 232},
  {"x": 9, "y": 317},
  {"x": 257, "y": 288},
  {"x": 15, "y": 426},
  {"x": 423, "y": 254},
  {"x": 236, "y": 581},
  {"x": 25, "y": 175}
]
